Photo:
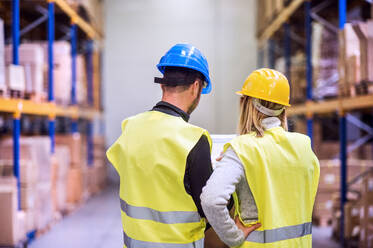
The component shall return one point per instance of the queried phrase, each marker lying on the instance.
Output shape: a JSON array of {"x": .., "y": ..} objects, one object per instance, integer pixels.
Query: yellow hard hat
[{"x": 267, "y": 84}]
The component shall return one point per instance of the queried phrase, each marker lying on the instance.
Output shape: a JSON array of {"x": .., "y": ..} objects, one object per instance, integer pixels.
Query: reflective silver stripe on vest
[
  {"x": 133, "y": 243},
  {"x": 282, "y": 233},
  {"x": 171, "y": 217}
]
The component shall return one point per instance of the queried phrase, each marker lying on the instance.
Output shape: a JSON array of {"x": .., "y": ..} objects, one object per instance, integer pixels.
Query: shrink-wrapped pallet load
[
  {"x": 81, "y": 80},
  {"x": 31, "y": 58},
  {"x": 35, "y": 171},
  {"x": 15, "y": 80},
  {"x": 325, "y": 62},
  {"x": 61, "y": 70}
]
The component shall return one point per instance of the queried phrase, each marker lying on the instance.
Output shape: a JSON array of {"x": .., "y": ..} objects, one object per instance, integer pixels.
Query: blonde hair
[{"x": 251, "y": 118}]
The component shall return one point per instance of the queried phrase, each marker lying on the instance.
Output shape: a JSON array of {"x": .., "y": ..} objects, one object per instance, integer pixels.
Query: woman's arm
[{"x": 216, "y": 194}]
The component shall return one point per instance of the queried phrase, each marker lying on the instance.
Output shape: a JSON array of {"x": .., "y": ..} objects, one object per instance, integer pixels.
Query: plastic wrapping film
[{"x": 325, "y": 62}]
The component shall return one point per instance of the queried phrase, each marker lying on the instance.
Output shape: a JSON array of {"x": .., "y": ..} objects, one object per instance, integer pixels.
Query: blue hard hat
[{"x": 187, "y": 56}]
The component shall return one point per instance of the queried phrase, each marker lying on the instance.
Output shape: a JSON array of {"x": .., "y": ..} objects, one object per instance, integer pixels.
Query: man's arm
[{"x": 198, "y": 171}]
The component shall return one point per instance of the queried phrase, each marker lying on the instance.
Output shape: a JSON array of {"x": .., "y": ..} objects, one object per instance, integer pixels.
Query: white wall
[{"x": 139, "y": 32}]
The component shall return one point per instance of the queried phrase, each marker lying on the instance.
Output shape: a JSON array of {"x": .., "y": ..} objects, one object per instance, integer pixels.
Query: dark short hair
[{"x": 177, "y": 76}]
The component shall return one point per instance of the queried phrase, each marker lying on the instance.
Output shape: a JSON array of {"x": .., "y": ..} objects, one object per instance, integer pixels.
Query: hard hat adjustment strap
[
  {"x": 174, "y": 82},
  {"x": 265, "y": 110}
]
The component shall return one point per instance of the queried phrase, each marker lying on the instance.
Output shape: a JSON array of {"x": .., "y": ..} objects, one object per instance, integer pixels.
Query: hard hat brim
[{"x": 241, "y": 93}]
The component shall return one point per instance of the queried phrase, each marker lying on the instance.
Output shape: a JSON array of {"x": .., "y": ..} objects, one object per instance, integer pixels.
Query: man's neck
[{"x": 176, "y": 101}]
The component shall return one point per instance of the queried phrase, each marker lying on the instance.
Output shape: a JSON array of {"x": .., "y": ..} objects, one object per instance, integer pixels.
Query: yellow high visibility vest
[
  {"x": 150, "y": 157},
  {"x": 283, "y": 174}
]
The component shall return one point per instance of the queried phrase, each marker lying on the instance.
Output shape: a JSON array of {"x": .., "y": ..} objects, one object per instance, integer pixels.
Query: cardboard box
[
  {"x": 62, "y": 155},
  {"x": 352, "y": 219},
  {"x": 28, "y": 171},
  {"x": 59, "y": 191},
  {"x": 61, "y": 195},
  {"x": 330, "y": 173},
  {"x": 74, "y": 185},
  {"x": 35, "y": 149},
  {"x": 10, "y": 228},
  {"x": 74, "y": 144}
]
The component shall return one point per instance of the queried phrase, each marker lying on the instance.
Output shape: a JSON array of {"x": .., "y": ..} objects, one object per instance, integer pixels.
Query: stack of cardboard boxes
[
  {"x": 49, "y": 185},
  {"x": 366, "y": 212},
  {"x": 13, "y": 222},
  {"x": 329, "y": 187},
  {"x": 97, "y": 172},
  {"x": 356, "y": 59},
  {"x": 60, "y": 168},
  {"x": 77, "y": 166}
]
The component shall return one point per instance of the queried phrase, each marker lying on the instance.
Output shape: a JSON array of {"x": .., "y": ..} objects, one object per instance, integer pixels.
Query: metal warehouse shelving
[
  {"x": 20, "y": 106},
  {"x": 340, "y": 105}
]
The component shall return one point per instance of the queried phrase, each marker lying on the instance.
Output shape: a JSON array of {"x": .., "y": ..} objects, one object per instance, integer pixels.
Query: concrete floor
[{"x": 97, "y": 224}]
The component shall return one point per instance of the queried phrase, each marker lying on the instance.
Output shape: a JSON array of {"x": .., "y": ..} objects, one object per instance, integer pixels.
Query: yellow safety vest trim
[
  {"x": 169, "y": 217},
  {"x": 133, "y": 243},
  {"x": 282, "y": 233}
]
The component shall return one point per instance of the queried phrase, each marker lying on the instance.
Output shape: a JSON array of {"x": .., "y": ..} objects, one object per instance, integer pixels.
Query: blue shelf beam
[
  {"x": 50, "y": 71},
  {"x": 15, "y": 30},
  {"x": 74, "y": 51},
  {"x": 50, "y": 50},
  {"x": 308, "y": 30},
  {"x": 90, "y": 157},
  {"x": 73, "y": 35},
  {"x": 17, "y": 117},
  {"x": 74, "y": 126},
  {"x": 342, "y": 7},
  {"x": 343, "y": 159},
  {"x": 90, "y": 72},
  {"x": 90, "y": 101},
  {"x": 16, "y": 155},
  {"x": 52, "y": 133}
]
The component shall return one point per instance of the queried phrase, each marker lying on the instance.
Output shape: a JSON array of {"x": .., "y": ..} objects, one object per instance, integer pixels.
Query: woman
[{"x": 272, "y": 173}]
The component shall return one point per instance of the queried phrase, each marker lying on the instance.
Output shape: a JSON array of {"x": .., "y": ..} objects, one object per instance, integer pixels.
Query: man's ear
[{"x": 196, "y": 86}]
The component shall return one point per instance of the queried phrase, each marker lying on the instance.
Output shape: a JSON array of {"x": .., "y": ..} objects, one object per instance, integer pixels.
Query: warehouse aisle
[
  {"x": 96, "y": 224},
  {"x": 321, "y": 238}
]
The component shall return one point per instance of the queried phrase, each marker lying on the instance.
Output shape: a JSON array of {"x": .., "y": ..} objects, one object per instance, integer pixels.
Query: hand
[
  {"x": 246, "y": 229},
  {"x": 220, "y": 156}
]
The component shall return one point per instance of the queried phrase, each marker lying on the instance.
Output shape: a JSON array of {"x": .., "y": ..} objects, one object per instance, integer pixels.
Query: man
[{"x": 163, "y": 161}]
